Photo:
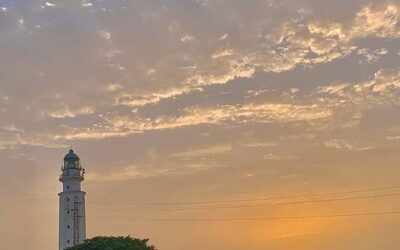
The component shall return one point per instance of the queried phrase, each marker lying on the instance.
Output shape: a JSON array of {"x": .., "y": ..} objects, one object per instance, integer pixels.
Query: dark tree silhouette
[{"x": 114, "y": 243}]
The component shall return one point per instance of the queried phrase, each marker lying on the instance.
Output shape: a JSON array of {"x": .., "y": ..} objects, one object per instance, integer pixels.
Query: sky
[{"x": 189, "y": 115}]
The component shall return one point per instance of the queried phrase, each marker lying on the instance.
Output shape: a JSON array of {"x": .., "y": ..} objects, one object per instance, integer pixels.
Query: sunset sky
[{"x": 189, "y": 115}]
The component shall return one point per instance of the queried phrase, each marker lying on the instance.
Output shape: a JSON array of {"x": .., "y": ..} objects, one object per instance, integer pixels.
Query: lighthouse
[{"x": 72, "y": 224}]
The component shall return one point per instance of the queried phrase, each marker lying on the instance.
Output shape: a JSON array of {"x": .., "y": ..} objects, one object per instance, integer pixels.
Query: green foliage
[{"x": 114, "y": 243}]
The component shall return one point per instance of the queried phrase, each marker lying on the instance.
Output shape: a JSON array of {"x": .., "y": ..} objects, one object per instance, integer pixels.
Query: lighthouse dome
[
  {"x": 71, "y": 160},
  {"x": 71, "y": 156}
]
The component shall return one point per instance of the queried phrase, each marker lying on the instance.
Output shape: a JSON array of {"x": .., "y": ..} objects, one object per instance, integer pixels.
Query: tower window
[
  {"x": 68, "y": 212},
  {"x": 68, "y": 241},
  {"x": 67, "y": 199},
  {"x": 67, "y": 187},
  {"x": 68, "y": 226}
]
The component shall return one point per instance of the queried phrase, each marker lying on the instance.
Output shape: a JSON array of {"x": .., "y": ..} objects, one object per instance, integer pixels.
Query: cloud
[
  {"x": 128, "y": 173},
  {"x": 17, "y": 139},
  {"x": 379, "y": 92},
  {"x": 304, "y": 43},
  {"x": 121, "y": 126},
  {"x": 372, "y": 56},
  {"x": 122, "y": 76},
  {"x": 276, "y": 157},
  {"x": 223, "y": 53},
  {"x": 86, "y": 4},
  {"x": 105, "y": 35},
  {"x": 322, "y": 109},
  {"x": 66, "y": 112},
  {"x": 344, "y": 145},
  {"x": 395, "y": 137},
  {"x": 205, "y": 152},
  {"x": 260, "y": 144},
  {"x": 187, "y": 38},
  {"x": 49, "y": 4},
  {"x": 126, "y": 99},
  {"x": 380, "y": 23}
]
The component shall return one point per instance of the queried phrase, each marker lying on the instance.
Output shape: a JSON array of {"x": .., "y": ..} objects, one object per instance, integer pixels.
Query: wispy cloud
[
  {"x": 205, "y": 152},
  {"x": 128, "y": 173},
  {"x": 345, "y": 145}
]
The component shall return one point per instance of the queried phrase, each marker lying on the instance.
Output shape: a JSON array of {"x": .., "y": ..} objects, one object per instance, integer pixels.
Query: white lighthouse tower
[{"x": 72, "y": 203}]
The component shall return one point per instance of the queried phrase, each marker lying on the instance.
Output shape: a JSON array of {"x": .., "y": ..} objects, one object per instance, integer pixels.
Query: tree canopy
[{"x": 114, "y": 243}]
